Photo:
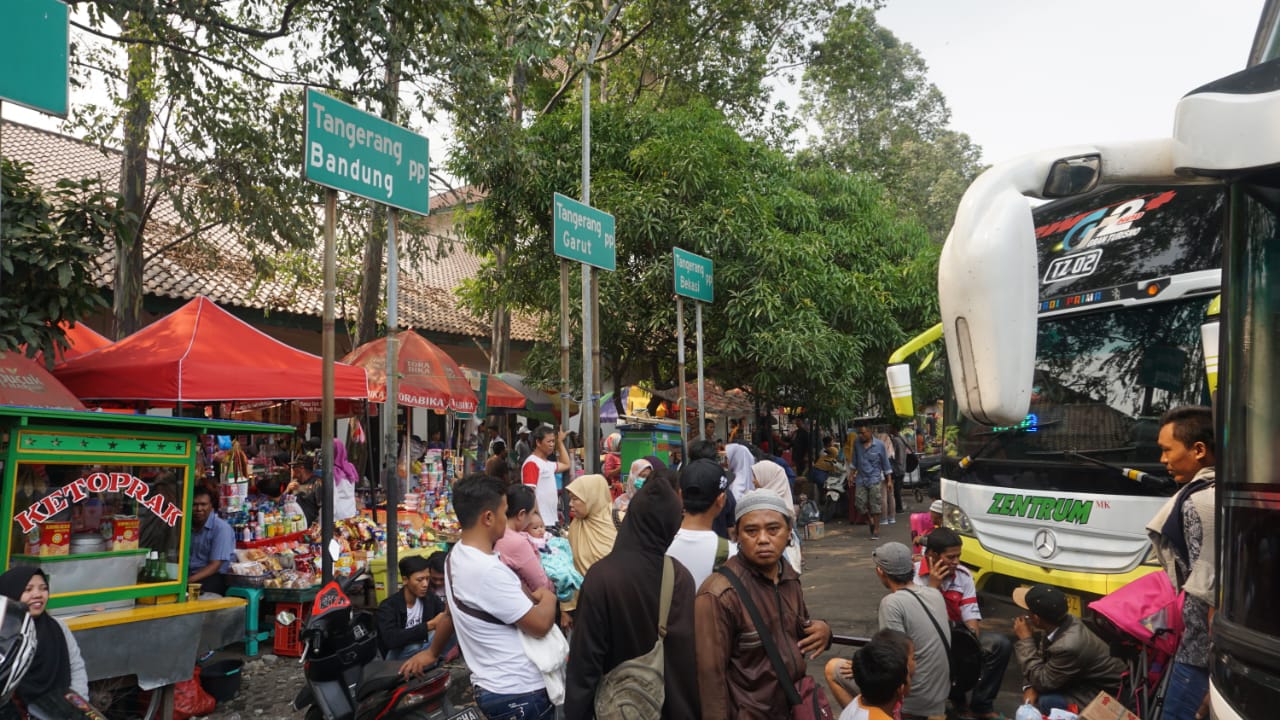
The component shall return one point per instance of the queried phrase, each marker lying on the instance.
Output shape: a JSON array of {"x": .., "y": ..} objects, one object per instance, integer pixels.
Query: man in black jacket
[
  {"x": 408, "y": 619},
  {"x": 1069, "y": 664}
]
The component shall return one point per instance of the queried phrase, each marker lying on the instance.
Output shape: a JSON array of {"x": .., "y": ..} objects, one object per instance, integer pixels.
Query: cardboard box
[
  {"x": 49, "y": 539},
  {"x": 124, "y": 532},
  {"x": 1105, "y": 707},
  {"x": 815, "y": 531}
]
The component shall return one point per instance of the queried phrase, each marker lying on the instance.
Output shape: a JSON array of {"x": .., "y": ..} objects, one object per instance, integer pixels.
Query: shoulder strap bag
[
  {"x": 636, "y": 689},
  {"x": 807, "y": 701},
  {"x": 964, "y": 654}
]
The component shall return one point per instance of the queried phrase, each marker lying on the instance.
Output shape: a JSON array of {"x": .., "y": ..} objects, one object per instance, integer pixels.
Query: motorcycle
[{"x": 346, "y": 681}]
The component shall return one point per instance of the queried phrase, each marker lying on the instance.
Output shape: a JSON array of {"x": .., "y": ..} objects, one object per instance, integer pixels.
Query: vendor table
[{"x": 157, "y": 643}]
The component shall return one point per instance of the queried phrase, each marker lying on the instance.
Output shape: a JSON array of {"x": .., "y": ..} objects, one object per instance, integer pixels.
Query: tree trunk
[
  {"x": 127, "y": 298},
  {"x": 372, "y": 268},
  {"x": 500, "y": 333}
]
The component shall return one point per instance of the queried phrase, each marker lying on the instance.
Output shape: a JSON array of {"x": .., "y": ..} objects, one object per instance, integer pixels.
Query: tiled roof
[{"x": 217, "y": 264}]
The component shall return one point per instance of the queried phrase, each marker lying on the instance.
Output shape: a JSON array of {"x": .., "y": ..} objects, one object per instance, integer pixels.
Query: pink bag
[{"x": 1148, "y": 610}]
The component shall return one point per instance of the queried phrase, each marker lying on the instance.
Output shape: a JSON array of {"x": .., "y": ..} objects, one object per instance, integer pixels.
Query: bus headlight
[{"x": 953, "y": 518}]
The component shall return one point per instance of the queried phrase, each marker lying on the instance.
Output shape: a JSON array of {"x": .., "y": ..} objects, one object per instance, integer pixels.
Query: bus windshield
[{"x": 1102, "y": 381}]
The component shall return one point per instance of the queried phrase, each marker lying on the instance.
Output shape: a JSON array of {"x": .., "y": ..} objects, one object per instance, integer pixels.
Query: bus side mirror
[
  {"x": 899, "y": 378},
  {"x": 987, "y": 290}
]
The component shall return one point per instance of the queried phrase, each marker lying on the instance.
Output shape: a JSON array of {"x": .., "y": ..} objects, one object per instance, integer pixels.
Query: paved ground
[{"x": 839, "y": 583}]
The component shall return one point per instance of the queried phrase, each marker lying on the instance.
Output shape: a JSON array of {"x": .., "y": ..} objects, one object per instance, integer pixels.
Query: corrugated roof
[{"x": 218, "y": 264}]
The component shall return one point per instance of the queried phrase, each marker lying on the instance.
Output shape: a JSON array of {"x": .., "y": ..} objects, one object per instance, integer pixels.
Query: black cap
[
  {"x": 1044, "y": 600},
  {"x": 703, "y": 480}
]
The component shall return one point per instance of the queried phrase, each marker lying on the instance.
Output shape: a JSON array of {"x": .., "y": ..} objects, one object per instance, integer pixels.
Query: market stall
[
  {"x": 201, "y": 353},
  {"x": 102, "y": 502},
  {"x": 426, "y": 378}
]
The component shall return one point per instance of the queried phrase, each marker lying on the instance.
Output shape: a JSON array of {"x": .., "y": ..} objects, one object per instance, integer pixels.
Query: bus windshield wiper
[{"x": 1133, "y": 474}]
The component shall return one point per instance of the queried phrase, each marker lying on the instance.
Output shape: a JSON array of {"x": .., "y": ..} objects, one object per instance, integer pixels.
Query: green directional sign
[
  {"x": 583, "y": 233},
  {"x": 350, "y": 150},
  {"x": 33, "y": 54},
  {"x": 693, "y": 276}
]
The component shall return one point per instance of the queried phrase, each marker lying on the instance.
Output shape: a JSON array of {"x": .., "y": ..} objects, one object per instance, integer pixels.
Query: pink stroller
[{"x": 1142, "y": 621}]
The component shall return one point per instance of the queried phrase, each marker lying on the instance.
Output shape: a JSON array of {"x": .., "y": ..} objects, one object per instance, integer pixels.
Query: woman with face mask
[{"x": 640, "y": 470}]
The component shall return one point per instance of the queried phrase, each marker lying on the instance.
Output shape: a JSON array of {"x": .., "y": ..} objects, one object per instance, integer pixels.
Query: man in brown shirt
[{"x": 735, "y": 676}]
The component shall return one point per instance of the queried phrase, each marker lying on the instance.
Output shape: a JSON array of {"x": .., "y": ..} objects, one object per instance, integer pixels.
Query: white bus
[{"x": 1227, "y": 136}]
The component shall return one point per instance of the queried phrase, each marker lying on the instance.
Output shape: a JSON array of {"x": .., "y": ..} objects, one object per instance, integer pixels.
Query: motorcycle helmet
[{"x": 17, "y": 646}]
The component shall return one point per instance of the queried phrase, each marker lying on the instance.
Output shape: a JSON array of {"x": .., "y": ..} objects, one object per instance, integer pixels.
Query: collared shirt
[
  {"x": 871, "y": 461},
  {"x": 958, "y": 590},
  {"x": 214, "y": 541}
]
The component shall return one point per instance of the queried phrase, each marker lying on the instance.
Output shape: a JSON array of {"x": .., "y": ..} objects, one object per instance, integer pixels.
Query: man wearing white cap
[{"x": 736, "y": 680}]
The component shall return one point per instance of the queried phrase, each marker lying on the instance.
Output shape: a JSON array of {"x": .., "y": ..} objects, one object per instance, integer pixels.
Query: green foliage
[
  {"x": 870, "y": 95},
  {"x": 817, "y": 279},
  {"x": 48, "y": 257}
]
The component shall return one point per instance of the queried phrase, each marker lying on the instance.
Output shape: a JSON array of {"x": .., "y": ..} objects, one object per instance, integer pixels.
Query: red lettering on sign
[
  {"x": 97, "y": 482},
  {"x": 120, "y": 481},
  {"x": 137, "y": 490},
  {"x": 76, "y": 490},
  {"x": 171, "y": 515},
  {"x": 155, "y": 504},
  {"x": 56, "y": 502}
]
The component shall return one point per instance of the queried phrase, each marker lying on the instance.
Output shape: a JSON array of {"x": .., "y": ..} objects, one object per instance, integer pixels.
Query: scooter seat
[{"x": 378, "y": 676}]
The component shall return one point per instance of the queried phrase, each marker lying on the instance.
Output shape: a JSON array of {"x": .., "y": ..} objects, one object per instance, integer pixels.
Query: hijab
[
  {"x": 51, "y": 667},
  {"x": 591, "y": 536},
  {"x": 652, "y": 521},
  {"x": 637, "y": 467},
  {"x": 740, "y": 462},
  {"x": 769, "y": 475},
  {"x": 342, "y": 467}
]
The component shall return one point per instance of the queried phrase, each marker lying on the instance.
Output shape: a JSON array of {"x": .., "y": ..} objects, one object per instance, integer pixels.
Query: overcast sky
[{"x": 1023, "y": 75}]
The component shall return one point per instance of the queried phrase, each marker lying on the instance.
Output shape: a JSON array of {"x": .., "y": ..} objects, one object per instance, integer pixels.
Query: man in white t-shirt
[
  {"x": 488, "y": 604},
  {"x": 539, "y": 471},
  {"x": 696, "y": 545}
]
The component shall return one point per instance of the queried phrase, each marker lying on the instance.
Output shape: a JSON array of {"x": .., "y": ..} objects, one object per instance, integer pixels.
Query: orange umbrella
[
  {"x": 498, "y": 393},
  {"x": 428, "y": 377},
  {"x": 80, "y": 340},
  {"x": 23, "y": 382}
]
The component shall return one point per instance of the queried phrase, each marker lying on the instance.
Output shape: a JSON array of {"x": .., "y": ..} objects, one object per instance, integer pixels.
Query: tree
[
  {"x": 48, "y": 257},
  {"x": 817, "y": 277},
  {"x": 877, "y": 113}
]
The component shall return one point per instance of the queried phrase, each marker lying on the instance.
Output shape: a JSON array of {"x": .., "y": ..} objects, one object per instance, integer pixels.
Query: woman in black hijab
[
  {"x": 617, "y": 617},
  {"x": 57, "y": 664}
]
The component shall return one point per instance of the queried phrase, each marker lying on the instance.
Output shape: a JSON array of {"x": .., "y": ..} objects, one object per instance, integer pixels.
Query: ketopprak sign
[{"x": 350, "y": 150}]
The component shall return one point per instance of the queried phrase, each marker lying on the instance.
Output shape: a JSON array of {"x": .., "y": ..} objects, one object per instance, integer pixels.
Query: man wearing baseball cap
[
  {"x": 696, "y": 545},
  {"x": 1068, "y": 664},
  {"x": 921, "y": 613}
]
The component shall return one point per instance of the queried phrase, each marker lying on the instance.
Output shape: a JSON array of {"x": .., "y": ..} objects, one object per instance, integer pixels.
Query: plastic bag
[
  {"x": 190, "y": 699},
  {"x": 550, "y": 653}
]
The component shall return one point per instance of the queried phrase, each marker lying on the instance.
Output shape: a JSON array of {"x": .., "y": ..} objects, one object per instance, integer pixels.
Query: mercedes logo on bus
[{"x": 1045, "y": 543}]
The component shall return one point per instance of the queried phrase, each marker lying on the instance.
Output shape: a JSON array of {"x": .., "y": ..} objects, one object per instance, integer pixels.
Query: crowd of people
[{"x": 687, "y": 596}]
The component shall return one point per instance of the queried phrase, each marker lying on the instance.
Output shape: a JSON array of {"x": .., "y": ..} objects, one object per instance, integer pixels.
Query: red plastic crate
[{"x": 287, "y": 641}]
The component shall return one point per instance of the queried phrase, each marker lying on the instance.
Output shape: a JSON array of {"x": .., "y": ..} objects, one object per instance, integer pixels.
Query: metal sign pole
[
  {"x": 326, "y": 403},
  {"x": 587, "y": 410},
  {"x": 684, "y": 415},
  {"x": 391, "y": 475},
  {"x": 565, "y": 343},
  {"x": 702, "y": 389}
]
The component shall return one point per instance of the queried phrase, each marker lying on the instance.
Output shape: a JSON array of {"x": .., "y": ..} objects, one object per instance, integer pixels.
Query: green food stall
[
  {"x": 647, "y": 438},
  {"x": 102, "y": 503}
]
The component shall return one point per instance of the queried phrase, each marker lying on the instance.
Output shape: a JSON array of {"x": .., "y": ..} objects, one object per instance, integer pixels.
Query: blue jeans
[
  {"x": 522, "y": 706},
  {"x": 1187, "y": 687},
  {"x": 1051, "y": 702}
]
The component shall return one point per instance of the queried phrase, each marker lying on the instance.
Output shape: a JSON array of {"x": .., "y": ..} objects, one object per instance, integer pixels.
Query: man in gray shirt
[{"x": 921, "y": 613}]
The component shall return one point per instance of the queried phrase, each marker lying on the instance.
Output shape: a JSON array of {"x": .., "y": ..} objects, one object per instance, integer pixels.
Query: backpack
[
  {"x": 636, "y": 689},
  {"x": 809, "y": 513}
]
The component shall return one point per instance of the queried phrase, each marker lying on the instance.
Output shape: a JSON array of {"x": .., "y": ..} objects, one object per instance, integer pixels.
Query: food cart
[
  {"x": 646, "y": 437},
  {"x": 102, "y": 502}
]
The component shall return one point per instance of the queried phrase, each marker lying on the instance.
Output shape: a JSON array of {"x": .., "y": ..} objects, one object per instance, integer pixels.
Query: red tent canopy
[
  {"x": 202, "y": 353},
  {"x": 498, "y": 393},
  {"x": 428, "y": 377},
  {"x": 80, "y": 339},
  {"x": 24, "y": 382}
]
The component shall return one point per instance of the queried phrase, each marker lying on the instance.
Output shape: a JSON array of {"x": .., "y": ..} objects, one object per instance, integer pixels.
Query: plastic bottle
[{"x": 1028, "y": 712}]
